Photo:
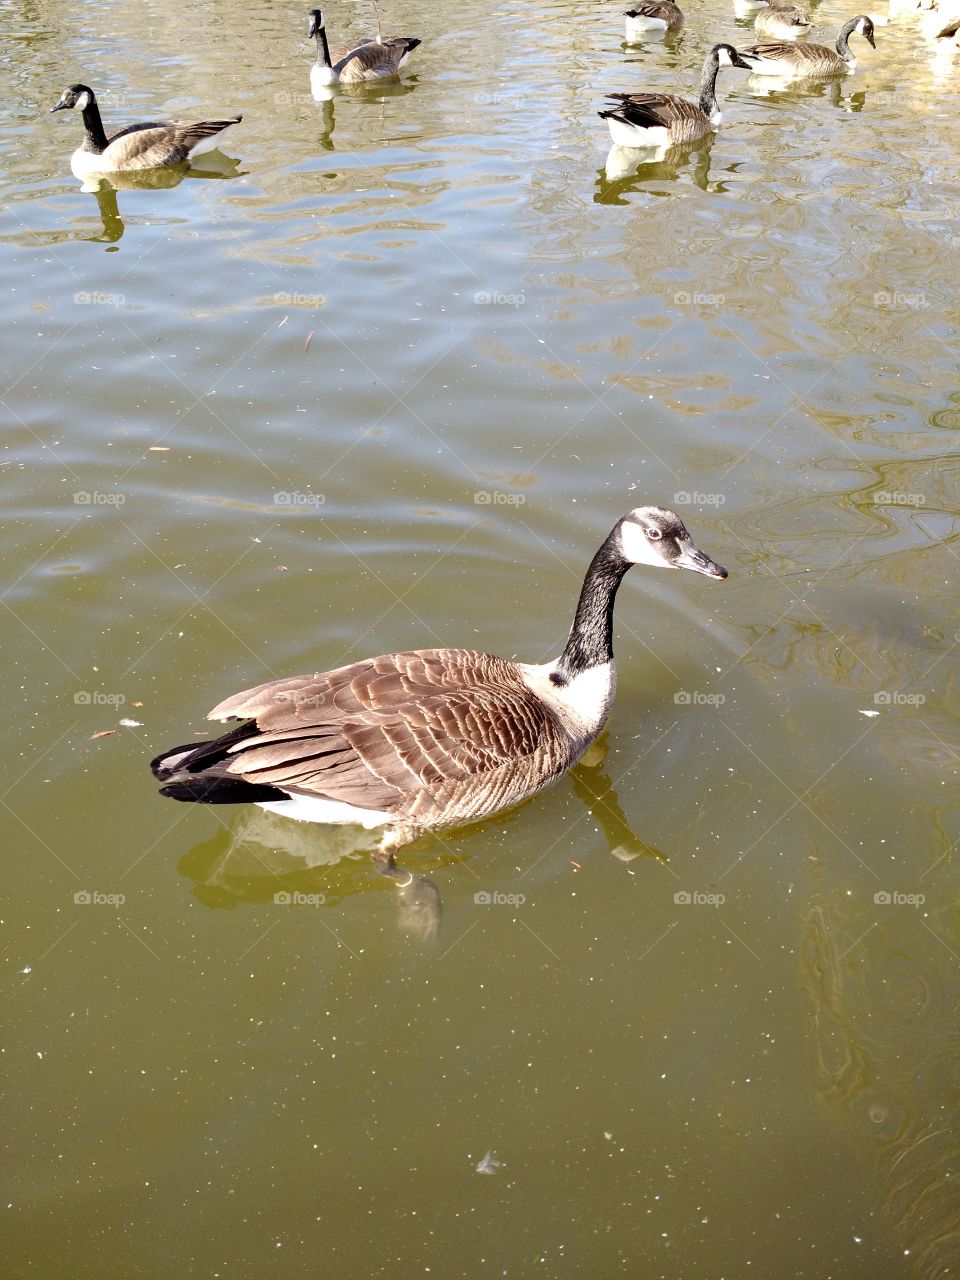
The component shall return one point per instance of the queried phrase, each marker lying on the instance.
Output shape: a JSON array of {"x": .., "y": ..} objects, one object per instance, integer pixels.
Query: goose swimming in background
[
  {"x": 367, "y": 60},
  {"x": 787, "y": 22},
  {"x": 150, "y": 145},
  {"x": 795, "y": 60},
  {"x": 662, "y": 120},
  {"x": 652, "y": 17},
  {"x": 414, "y": 741}
]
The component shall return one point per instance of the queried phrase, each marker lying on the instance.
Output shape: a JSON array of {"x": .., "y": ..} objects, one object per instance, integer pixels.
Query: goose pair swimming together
[
  {"x": 157, "y": 145},
  {"x": 415, "y": 741},
  {"x": 662, "y": 120}
]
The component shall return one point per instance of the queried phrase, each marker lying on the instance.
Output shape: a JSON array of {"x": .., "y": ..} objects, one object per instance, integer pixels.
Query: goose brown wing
[
  {"x": 652, "y": 109},
  {"x": 377, "y": 732},
  {"x": 650, "y": 9},
  {"x": 373, "y": 57},
  {"x": 799, "y": 54},
  {"x": 143, "y": 146}
]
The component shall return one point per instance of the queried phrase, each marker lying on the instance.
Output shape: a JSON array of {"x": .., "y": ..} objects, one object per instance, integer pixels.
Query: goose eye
[{"x": 654, "y": 534}]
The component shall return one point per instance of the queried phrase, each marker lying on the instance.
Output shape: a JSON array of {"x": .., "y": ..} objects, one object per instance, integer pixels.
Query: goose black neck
[
  {"x": 708, "y": 85},
  {"x": 591, "y": 636},
  {"x": 96, "y": 139},
  {"x": 843, "y": 47},
  {"x": 323, "y": 49}
]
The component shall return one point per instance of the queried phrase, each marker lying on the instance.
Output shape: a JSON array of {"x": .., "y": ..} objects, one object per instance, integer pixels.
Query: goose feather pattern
[
  {"x": 665, "y": 119},
  {"x": 368, "y": 60},
  {"x": 799, "y": 60},
  {"x": 429, "y": 738},
  {"x": 150, "y": 144}
]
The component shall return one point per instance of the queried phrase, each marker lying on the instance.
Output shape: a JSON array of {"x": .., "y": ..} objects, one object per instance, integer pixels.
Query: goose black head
[
  {"x": 75, "y": 95},
  {"x": 316, "y": 23},
  {"x": 865, "y": 27},
  {"x": 727, "y": 56},
  {"x": 656, "y": 536}
]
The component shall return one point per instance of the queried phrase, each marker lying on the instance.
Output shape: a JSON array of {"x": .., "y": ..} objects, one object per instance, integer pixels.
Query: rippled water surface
[{"x": 382, "y": 375}]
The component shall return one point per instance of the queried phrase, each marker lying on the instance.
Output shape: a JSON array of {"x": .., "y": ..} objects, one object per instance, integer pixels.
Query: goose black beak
[
  {"x": 61, "y": 106},
  {"x": 691, "y": 557},
  {"x": 744, "y": 66}
]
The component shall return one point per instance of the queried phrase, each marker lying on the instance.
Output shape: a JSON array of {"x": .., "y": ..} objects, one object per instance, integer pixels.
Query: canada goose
[
  {"x": 652, "y": 16},
  {"x": 150, "y": 145},
  {"x": 784, "y": 23},
  {"x": 369, "y": 60},
  {"x": 664, "y": 119},
  {"x": 431, "y": 738},
  {"x": 793, "y": 60}
]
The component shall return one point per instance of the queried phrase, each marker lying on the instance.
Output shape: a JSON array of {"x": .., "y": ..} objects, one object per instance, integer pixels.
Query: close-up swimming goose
[
  {"x": 150, "y": 145},
  {"x": 795, "y": 60},
  {"x": 663, "y": 120},
  {"x": 652, "y": 17},
  {"x": 431, "y": 738},
  {"x": 377, "y": 59},
  {"x": 786, "y": 22}
]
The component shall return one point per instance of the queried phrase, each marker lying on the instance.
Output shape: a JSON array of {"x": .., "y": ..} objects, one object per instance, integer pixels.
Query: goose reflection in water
[
  {"x": 370, "y": 92},
  {"x": 213, "y": 165},
  {"x": 627, "y": 170},
  {"x": 261, "y": 857}
]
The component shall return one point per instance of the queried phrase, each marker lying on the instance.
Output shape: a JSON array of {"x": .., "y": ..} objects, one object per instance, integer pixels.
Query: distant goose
[
  {"x": 663, "y": 119},
  {"x": 795, "y": 60},
  {"x": 367, "y": 60},
  {"x": 150, "y": 145},
  {"x": 431, "y": 738},
  {"x": 785, "y": 22},
  {"x": 652, "y": 16}
]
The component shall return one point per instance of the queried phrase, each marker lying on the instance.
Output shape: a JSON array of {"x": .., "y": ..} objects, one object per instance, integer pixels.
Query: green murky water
[{"x": 707, "y": 1025}]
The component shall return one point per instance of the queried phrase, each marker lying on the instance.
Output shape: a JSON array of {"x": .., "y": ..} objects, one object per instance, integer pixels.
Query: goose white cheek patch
[
  {"x": 638, "y": 548},
  {"x": 83, "y": 101}
]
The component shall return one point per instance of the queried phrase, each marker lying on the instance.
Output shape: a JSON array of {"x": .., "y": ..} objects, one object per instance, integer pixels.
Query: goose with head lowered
[
  {"x": 149, "y": 145},
  {"x": 662, "y": 120},
  {"x": 651, "y": 18},
  {"x": 377, "y": 59},
  {"x": 793, "y": 61},
  {"x": 782, "y": 22},
  {"x": 431, "y": 738}
]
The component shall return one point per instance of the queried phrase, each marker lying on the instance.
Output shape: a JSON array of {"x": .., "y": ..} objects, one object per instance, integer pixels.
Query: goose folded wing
[
  {"x": 375, "y": 732},
  {"x": 373, "y": 56},
  {"x": 650, "y": 110},
  {"x": 778, "y": 49},
  {"x": 143, "y": 145}
]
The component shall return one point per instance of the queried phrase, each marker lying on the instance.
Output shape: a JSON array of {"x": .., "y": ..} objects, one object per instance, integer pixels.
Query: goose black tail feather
[
  {"x": 221, "y": 790},
  {"x": 195, "y": 757}
]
